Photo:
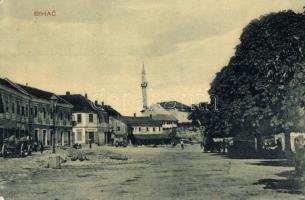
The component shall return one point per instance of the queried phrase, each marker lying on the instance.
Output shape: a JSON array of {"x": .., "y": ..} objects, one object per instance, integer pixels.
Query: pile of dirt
[{"x": 76, "y": 154}]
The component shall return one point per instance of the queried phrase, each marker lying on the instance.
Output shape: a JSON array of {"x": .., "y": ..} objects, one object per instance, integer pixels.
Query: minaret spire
[{"x": 144, "y": 84}]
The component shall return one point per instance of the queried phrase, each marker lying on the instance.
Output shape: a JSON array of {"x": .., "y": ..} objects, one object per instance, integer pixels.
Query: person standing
[
  {"x": 41, "y": 148},
  {"x": 182, "y": 145},
  {"x": 279, "y": 147}
]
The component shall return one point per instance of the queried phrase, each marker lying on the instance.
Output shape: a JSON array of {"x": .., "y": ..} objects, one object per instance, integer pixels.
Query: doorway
[{"x": 91, "y": 137}]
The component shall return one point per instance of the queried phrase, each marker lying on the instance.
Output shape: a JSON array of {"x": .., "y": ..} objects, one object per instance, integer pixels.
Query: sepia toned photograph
[{"x": 152, "y": 100}]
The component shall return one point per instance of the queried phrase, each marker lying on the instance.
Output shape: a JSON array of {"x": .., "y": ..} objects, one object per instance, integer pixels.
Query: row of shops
[
  {"x": 47, "y": 118},
  {"x": 30, "y": 112}
]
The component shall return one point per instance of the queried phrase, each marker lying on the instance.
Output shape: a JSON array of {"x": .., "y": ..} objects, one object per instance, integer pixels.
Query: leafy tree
[{"x": 260, "y": 90}]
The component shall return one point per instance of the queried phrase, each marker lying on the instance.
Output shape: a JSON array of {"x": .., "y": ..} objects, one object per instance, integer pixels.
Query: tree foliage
[{"x": 261, "y": 90}]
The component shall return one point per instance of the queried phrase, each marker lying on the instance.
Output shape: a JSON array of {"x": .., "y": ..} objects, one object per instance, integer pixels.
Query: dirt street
[{"x": 150, "y": 173}]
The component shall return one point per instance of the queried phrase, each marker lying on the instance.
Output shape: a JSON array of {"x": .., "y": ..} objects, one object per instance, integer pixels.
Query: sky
[{"x": 98, "y": 46}]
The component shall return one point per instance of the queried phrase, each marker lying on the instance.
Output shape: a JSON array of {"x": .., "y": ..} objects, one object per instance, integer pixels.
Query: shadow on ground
[
  {"x": 290, "y": 185},
  {"x": 249, "y": 155},
  {"x": 287, "y": 182},
  {"x": 275, "y": 163}
]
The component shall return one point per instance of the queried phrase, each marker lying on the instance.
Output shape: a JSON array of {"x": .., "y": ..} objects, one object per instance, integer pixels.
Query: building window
[
  {"x": 140, "y": 129},
  {"x": 13, "y": 107},
  {"x": 154, "y": 129},
  {"x": 79, "y": 118},
  {"x": 51, "y": 114},
  {"x": 102, "y": 119},
  {"x": 44, "y": 112},
  {"x": 18, "y": 107},
  {"x": 61, "y": 116},
  {"x": 79, "y": 136},
  {"x": 91, "y": 118},
  {"x": 7, "y": 108},
  {"x": 118, "y": 128},
  {"x": 147, "y": 129},
  {"x": 35, "y": 111},
  {"x": 22, "y": 110},
  {"x": 1, "y": 104}
]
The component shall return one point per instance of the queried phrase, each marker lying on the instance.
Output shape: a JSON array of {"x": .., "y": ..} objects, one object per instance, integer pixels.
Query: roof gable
[
  {"x": 79, "y": 102},
  {"x": 8, "y": 83}
]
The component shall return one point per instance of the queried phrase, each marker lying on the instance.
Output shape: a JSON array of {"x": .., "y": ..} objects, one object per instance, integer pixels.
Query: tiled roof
[
  {"x": 169, "y": 105},
  {"x": 139, "y": 121},
  {"x": 82, "y": 104},
  {"x": 7, "y": 83},
  {"x": 109, "y": 110},
  {"x": 163, "y": 117},
  {"x": 41, "y": 94},
  {"x": 79, "y": 102}
]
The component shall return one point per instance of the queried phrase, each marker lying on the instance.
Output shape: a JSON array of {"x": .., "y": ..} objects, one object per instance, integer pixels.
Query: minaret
[{"x": 144, "y": 86}]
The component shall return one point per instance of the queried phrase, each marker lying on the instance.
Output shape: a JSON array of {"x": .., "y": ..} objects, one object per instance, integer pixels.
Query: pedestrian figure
[
  {"x": 299, "y": 158},
  {"x": 90, "y": 143},
  {"x": 41, "y": 148},
  {"x": 182, "y": 145},
  {"x": 279, "y": 146}
]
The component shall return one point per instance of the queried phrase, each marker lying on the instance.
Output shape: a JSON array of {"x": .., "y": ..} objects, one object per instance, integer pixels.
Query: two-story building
[
  {"x": 44, "y": 112},
  {"x": 28, "y": 111},
  {"x": 91, "y": 122},
  {"x": 14, "y": 110}
]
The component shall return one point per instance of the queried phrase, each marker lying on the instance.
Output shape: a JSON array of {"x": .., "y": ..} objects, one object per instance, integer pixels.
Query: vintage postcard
[{"x": 152, "y": 100}]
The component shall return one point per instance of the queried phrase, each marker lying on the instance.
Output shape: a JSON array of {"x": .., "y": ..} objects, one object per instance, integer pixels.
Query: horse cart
[{"x": 16, "y": 147}]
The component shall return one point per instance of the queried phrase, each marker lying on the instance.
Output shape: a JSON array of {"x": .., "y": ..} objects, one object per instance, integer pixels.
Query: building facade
[
  {"x": 168, "y": 121},
  {"x": 140, "y": 130},
  {"x": 14, "y": 110},
  {"x": 49, "y": 116},
  {"x": 90, "y": 120},
  {"x": 28, "y": 111}
]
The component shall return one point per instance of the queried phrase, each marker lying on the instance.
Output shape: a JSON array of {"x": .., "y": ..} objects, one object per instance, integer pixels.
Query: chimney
[
  {"x": 26, "y": 84},
  {"x": 103, "y": 103},
  {"x": 68, "y": 93},
  {"x": 95, "y": 102},
  {"x": 134, "y": 115},
  {"x": 86, "y": 96}
]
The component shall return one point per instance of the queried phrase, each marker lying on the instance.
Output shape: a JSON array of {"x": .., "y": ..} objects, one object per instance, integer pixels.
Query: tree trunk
[
  {"x": 288, "y": 150},
  {"x": 258, "y": 142}
]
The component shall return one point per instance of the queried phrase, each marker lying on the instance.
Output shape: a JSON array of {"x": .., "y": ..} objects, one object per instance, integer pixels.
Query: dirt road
[{"x": 150, "y": 173}]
